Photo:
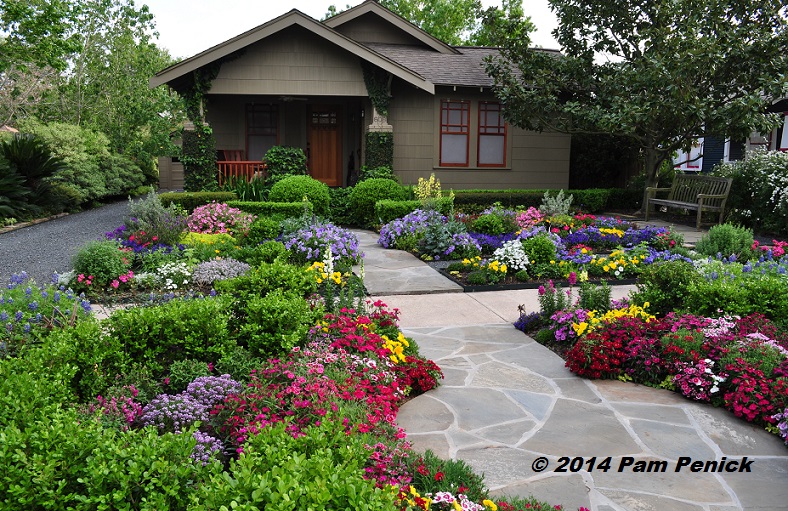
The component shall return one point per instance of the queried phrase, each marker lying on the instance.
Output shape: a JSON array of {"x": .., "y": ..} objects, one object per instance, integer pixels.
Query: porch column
[{"x": 379, "y": 142}]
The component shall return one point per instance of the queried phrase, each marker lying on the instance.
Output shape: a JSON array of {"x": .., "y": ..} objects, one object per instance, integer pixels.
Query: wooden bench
[{"x": 695, "y": 192}]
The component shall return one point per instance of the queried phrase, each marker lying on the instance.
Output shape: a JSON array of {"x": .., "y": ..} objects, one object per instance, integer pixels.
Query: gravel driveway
[{"x": 48, "y": 247}]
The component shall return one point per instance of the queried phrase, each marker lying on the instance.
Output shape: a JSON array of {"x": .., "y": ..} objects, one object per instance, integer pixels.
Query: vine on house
[{"x": 377, "y": 82}]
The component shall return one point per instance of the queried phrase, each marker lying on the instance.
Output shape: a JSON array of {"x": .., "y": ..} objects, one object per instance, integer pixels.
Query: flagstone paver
[{"x": 507, "y": 400}]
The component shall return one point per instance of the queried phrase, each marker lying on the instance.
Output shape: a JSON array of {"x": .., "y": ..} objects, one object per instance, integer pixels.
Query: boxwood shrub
[
  {"x": 388, "y": 210},
  {"x": 295, "y": 188},
  {"x": 281, "y": 209},
  {"x": 191, "y": 200},
  {"x": 367, "y": 193}
]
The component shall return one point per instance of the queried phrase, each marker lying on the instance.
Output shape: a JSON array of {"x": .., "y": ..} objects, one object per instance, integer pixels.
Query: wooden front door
[{"x": 325, "y": 144}]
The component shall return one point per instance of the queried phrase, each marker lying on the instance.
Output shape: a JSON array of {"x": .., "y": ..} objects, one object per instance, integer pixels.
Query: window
[
  {"x": 455, "y": 133},
  {"x": 492, "y": 135},
  {"x": 262, "y": 122}
]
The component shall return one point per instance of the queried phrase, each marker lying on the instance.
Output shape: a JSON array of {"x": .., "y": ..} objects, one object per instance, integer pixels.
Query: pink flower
[
  {"x": 572, "y": 278},
  {"x": 542, "y": 290},
  {"x": 115, "y": 284}
]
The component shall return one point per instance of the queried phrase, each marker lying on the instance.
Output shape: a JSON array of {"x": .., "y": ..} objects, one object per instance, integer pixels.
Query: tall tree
[
  {"x": 661, "y": 72},
  {"x": 37, "y": 32}
]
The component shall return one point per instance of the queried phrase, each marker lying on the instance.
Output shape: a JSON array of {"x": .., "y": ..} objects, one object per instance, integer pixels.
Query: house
[
  {"x": 709, "y": 151},
  {"x": 300, "y": 82}
]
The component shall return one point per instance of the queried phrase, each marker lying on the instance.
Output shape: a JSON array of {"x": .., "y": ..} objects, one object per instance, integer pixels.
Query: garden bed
[{"x": 511, "y": 283}]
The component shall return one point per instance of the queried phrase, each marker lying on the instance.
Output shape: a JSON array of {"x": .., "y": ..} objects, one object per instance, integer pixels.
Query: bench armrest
[
  {"x": 707, "y": 196},
  {"x": 651, "y": 191}
]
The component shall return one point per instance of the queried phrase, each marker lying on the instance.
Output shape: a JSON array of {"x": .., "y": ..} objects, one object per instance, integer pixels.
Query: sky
[{"x": 189, "y": 27}]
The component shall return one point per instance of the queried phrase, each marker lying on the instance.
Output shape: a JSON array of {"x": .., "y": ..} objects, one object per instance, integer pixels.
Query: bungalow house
[
  {"x": 709, "y": 151},
  {"x": 296, "y": 81}
]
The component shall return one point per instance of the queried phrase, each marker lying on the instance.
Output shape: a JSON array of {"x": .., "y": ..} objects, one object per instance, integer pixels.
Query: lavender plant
[
  {"x": 174, "y": 413},
  {"x": 207, "y": 448},
  {"x": 210, "y": 390}
]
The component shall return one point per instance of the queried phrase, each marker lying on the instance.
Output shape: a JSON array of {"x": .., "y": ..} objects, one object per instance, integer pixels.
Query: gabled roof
[
  {"x": 465, "y": 68},
  {"x": 292, "y": 18},
  {"x": 371, "y": 6}
]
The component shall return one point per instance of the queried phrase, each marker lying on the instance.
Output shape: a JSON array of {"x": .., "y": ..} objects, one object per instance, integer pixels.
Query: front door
[{"x": 325, "y": 144}]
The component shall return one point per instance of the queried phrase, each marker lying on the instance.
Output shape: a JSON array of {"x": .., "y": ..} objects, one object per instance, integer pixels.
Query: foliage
[
  {"x": 245, "y": 189},
  {"x": 100, "y": 262},
  {"x": 184, "y": 371},
  {"x": 428, "y": 189},
  {"x": 296, "y": 188},
  {"x": 36, "y": 165},
  {"x": 282, "y": 161},
  {"x": 620, "y": 64},
  {"x": 384, "y": 172},
  {"x": 182, "y": 328},
  {"x": 188, "y": 201},
  {"x": 377, "y": 82},
  {"x": 198, "y": 156},
  {"x": 283, "y": 209},
  {"x": 14, "y": 198},
  {"x": 454, "y": 476},
  {"x": 540, "y": 249},
  {"x": 215, "y": 218},
  {"x": 495, "y": 221},
  {"x": 665, "y": 286},
  {"x": 552, "y": 299},
  {"x": 150, "y": 221},
  {"x": 273, "y": 324},
  {"x": 728, "y": 240},
  {"x": 558, "y": 205},
  {"x": 339, "y": 206},
  {"x": 380, "y": 149},
  {"x": 759, "y": 194},
  {"x": 208, "y": 272},
  {"x": 261, "y": 230},
  {"x": 593, "y": 297},
  {"x": 266, "y": 252},
  {"x": 366, "y": 193}
]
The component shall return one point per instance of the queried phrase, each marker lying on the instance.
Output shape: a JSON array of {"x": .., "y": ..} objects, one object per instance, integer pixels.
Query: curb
[{"x": 22, "y": 225}]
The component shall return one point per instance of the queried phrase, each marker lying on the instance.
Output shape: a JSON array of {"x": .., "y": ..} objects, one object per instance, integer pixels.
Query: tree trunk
[{"x": 653, "y": 162}]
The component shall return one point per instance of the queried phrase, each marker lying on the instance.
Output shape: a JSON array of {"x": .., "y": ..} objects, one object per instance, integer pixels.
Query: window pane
[
  {"x": 259, "y": 145},
  {"x": 454, "y": 149},
  {"x": 491, "y": 150}
]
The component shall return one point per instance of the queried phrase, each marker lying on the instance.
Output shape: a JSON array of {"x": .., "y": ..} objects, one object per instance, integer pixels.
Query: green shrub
[
  {"x": 121, "y": 175},
  {"x": 496, "y": 221},
  {"x": 282, "y": 161},
  {"x": 441, "y": 240},
  {"x": 295, "y": 188},
  {"x": 743, "y": 295},
  {"x": 188, "y": 201},
  {"x": 158, "y": 336},
  {"x": 279, "y": 209},
  {"x": 261, "y": 230},
  {"x": 380, "y": 149},
  {"x": 264, "y": 253},
  {"x": 246, "y": 190},
  {"x": 456, "y": 473},
  {"x": 727, "y": 240},
  {"x": 382, "y": 172},
  {"x": 759, "y": 195},
  {"x": 540, "y": 249},
  {"x": 322, "y": 469},
  {"x": 278, "y": 274},
  {"x": 239, "y": 363},
  {"x": 666, "y": 286},
  {"x": 367, "y": 193},
  {"x": 273, "y": 324},
  {"x": 102, "y": 259},
  {"x": 556, "y": 205}
]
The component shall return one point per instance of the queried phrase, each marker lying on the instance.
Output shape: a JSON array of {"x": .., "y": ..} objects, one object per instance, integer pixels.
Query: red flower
[{"x": 439, "y": 476}]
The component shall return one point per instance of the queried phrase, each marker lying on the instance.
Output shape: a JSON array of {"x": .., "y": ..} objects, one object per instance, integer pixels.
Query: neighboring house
[
  {"x": 710, "y": 151},
  {"x": 299, "y": 82}
]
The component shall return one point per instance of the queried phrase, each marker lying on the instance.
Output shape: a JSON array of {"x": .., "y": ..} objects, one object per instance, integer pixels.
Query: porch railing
[{"x": 234, "y": 170}]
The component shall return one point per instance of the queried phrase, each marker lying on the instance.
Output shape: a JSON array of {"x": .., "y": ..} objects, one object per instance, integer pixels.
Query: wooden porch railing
[{"x": 233, "y": 170}]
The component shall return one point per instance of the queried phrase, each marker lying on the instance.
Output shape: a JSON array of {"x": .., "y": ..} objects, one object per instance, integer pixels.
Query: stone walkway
[{"x": 507, "y": 404}]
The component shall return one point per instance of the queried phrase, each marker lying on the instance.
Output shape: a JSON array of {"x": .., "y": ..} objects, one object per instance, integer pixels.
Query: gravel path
[{"x": 48, "y": 247}]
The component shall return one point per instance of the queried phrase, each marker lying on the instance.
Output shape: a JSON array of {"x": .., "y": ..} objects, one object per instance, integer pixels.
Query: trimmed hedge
[
  {"x": 594, "y": 200},
  {"x": 283, "y": 209},
  {"x": 295, "y": 188},
  {"x": 387, "y": 210},
  {"x": 192, "y": 200}
]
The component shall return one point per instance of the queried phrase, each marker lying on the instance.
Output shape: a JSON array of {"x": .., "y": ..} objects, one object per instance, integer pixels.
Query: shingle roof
[{"x": 465, "y": 69}]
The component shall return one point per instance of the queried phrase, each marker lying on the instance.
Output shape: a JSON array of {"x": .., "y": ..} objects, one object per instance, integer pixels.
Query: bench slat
[{"x": 685, "y": 192}]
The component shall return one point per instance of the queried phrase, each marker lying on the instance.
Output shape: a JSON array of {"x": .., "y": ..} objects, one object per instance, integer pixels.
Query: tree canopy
[{"x": 662, "y": 73}]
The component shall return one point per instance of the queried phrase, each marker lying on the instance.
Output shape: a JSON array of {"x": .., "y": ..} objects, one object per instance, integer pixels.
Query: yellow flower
[
  {"x": 457, "y": 506},
  {"x": 606, "y": 268},
  {"x": 579, "y": 328},
  {"x": 490, "y": 504}
]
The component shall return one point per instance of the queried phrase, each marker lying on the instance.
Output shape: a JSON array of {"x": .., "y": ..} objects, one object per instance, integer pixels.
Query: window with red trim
[
  {"x": 455, "y": 133},
  {"x": 492, "y": 135}
]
